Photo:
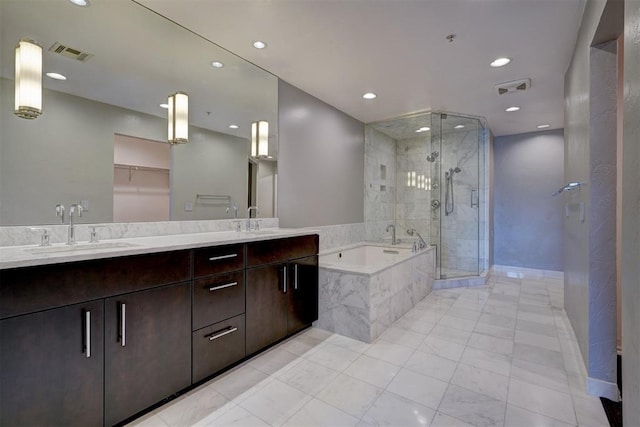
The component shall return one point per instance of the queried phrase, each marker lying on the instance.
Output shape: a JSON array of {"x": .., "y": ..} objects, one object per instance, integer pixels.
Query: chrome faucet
[
  {"x": 235, "y": 210},
  {"x": 73, "y": 209},
  {"x": 422, "y": 244},
  {"x": 393, "y": 233},
  {"x": 60, "y": 212},
  {"x": 255, "y": 208}
]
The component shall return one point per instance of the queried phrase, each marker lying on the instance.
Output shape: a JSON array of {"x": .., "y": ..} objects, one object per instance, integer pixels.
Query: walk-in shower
[{"x": 426, "y": 172}]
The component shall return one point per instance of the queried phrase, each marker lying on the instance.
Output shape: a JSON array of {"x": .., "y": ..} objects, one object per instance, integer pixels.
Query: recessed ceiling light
[
  {"x": 80, "y": 2},
  {"x": 233, "y": 126},
  {"x": 164, "y": 105},
  {"x": 511, "y": 109},
  {"x": 56, "y": 76},
  {"x": 259, "y": 45},
  {"x": 543, "y": 126},
  {"x": 369, "y": 95},
  {"x": 423, "y": 129},
  {"x": 458, "y": 127},
  {"x": 500, "y": 62},
  {"x": 217, "y": 64}
]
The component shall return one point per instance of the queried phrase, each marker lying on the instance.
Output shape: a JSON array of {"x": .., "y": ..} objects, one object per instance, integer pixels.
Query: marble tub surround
[
  {"x": 361, "y": 302},
  {"x": 498, "y": 355},
  {"x": 334, "y": 236},
  {"x": 24, "y": 235},
  {"x": 32, "y": 255}
]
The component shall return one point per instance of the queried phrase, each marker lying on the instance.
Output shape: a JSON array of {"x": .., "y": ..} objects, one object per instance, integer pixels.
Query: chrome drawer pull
[
  {"x": 87, "y": 332},
  {"x": 295, "y": 277},
  {"x": 218, "y": 258},
  {"x": 228, "y": 285},
  {"x": 224, "y": 332},
  {"x": 123, "y": 324}
]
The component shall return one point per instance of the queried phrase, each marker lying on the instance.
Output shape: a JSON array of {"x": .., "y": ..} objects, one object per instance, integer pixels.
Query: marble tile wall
[
  {"x": 363, "y": 306},
  {"x": 333, "y": 236},
  {"x": 25, "y": 235}
]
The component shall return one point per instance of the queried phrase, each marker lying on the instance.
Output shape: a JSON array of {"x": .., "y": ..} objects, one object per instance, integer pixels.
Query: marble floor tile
[
  {"x": 301, "y": 344},
  {"x": 432, "y": 365},
  {"x": 441, "y": 347},
  {"x": 333, "y": 356},
  {"x": 542, "y": 356},
  {"x": 546, "y": 319},
  {"x": 403, "y": 337},
  {"x": 443, "y": 420},
  {"x": 308, "y": 376},
  {"x": 240, "y": 382},
  {"x": 193, "y": 407},
  {"x": 490, "y": 343},
  {"x": 451, "y": 334},
  {"x": 348, "y": 343},
  {"x": 494, "y": 362},
  {"x": 150, "y": 420},
  {"x": 234, "y": 417},
  {"x": 350, "y": 395},
  {"x": 458, "y": 323},
  {"x": 463, "y": 313},
  {"x": 541, "y": 375},
  {"x": 481, "y": 381},
  {"x": 317, "y": 413},
  {"x": 542, "y": 400},
  {"x": 420, "y": 388},
  {"x": 537, "y": 328},
  {"x": 538, "y": 340},
  {"x": 589, "y": 412},
  {"x": 275, "y": 402},
  {"x": 497, "y": 320},
  {"x": 414, "y": 325},
  {"x": 274, "y": 360},
  {"x": 471, "y": 407},
  {"x": 518, "y": 417},
  {"x": 393, "y": 353},
  {"x": 495, "y": 331},
  {"x": 373, "y": 371},
  {"x": 393, "y": 410}
]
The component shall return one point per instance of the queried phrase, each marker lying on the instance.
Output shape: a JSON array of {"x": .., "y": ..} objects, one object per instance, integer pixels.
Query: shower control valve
[{"x": 435, "y": 204}]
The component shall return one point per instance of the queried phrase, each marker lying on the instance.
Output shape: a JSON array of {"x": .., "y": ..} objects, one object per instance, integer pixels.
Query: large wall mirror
[{"x": 102, "y": 137}]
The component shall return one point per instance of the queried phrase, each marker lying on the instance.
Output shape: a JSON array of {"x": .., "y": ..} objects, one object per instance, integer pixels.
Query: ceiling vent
[
  {"x": 70, "y": 52},
  {"x": 515, "y": 86}
]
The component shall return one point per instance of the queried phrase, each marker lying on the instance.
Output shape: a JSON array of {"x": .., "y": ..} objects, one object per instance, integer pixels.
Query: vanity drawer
[
  {"x": 29, "y": 289},
  {"x": 218, "y": 346},
  {"x": 278, "y": 250},
  {"x": 217, "y": 298},
  {"x": 218, "y": 259}
]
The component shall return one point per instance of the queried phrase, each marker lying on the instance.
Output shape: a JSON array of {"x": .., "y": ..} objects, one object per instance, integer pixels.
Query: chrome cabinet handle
[
  {"x": 220, "y": 334},
  {"x": 123, "y": 324},
  {"x": 87, "y": 333},
  {"x": 295, "y": 277},
  {"x": 228, "y": 285},
  {"x": 218, "y": 258},
  {"x": 286, "y": 267}
]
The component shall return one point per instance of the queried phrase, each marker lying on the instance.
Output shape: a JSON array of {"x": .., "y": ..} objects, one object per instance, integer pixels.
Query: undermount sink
[{"x": 80, "y": 247}]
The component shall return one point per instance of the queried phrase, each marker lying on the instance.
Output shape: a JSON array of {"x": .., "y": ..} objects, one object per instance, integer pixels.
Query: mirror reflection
[{"x": 101, "y": 140}]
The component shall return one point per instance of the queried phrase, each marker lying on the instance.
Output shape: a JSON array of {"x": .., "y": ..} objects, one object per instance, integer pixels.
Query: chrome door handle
[
  {"x": 220, "y": 334},
  {"x": 284, "y": 287},
  {"x": 218, "y": 258},
  {"x": 123, "y": 324},
  {"x": 295, "y": 277},
  {"x": 228, "y": 285},
  {"x": 87, "y": 333}
]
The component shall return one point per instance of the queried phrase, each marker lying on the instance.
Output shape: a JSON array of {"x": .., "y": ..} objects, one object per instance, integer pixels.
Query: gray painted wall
[
  {"x": 589, "y": 244},
  {"x": 320, "y": 162},
  {"x": 630, "y": 217},
  {"x": 528, "y": 169}
]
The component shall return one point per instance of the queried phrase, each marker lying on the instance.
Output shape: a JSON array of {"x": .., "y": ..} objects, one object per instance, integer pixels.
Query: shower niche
[{"x": 440, "y": 186}]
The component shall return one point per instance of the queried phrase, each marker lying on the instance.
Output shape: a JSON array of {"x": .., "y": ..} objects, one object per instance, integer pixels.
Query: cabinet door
[
  {"x": 147, "y": 349},
  {"x": 303, "y": 293},
  {"x": 51, "y": 367},
  {"x": 266, "y": 312}
]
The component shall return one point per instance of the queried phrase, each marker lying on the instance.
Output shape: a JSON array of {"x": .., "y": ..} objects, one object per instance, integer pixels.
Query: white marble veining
[
  {"x": 32, "y": 255},
  {"x": 362, "y": 301},
  {"x": 333, "y": 236}
]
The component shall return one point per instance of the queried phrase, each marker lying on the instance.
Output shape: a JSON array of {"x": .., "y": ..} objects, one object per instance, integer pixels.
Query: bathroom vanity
[{"x": 96, "y": 338}]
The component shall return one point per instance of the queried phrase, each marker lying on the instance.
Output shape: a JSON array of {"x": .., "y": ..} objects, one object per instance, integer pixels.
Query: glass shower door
[{"x": 455, "y": 200}]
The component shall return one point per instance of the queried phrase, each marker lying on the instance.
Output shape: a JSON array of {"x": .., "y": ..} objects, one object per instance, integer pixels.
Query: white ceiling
[{"x": 337, "y": 50}]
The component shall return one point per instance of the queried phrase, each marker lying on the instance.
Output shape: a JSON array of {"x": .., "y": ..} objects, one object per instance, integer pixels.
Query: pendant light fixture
[
  {"x": 260, "y": 139},
  {"x": 178, "y": 118},
  {"x": 28, "y": 80}
]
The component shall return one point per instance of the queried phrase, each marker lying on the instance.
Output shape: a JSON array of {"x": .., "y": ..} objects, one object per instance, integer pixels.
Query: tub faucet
[
  {"x": 255, "y": 208},
  {"x": 235, "y": 210},
  {"x": 393, "y": 233},
  {"x": 422, "y": 244},
  {"x": 60, "y": 212},
  {"x": 73, "y": 209}
]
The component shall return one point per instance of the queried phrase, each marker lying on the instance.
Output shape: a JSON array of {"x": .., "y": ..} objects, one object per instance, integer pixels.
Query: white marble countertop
[{"x": 33, "y": 255}]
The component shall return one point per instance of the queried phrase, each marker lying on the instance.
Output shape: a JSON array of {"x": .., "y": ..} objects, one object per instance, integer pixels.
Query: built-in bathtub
[{"x": 365, "y": 288}]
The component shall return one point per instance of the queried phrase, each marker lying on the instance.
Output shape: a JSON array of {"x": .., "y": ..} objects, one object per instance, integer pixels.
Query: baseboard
[
  {"x": 596, "y": 387},
  {"x": 531, "y": 272}
]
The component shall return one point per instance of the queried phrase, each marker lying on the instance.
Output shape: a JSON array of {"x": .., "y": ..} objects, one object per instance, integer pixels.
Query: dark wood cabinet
[
  {"x": 303, "y": 293},
  {"x": 147, "y": 349},
  {"x": 218, "y": 346},
  {"x": 51, "y": 365}
]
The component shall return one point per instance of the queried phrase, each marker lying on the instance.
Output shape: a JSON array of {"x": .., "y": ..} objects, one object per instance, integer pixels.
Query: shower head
[
  {"x": 432, "y": 157},
  {"x": 457, "y": 169}
]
